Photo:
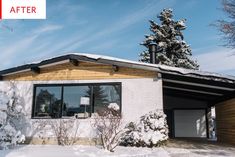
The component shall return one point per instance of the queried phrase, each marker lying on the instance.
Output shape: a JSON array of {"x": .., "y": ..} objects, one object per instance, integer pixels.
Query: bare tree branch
[{"x": 108, "y": 123}]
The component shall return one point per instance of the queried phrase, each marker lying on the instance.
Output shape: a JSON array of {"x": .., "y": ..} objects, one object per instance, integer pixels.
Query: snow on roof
[
  {"x": 135, "y": 64},
  {"x": 161, "y": 68}
]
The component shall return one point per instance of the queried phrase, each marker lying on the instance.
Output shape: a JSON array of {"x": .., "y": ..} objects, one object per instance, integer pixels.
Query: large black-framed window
[{"x": 80, "y": 100}]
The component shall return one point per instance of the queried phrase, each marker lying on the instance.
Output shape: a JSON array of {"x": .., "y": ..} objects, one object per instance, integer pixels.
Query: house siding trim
[{"x": 84, "y": 71}]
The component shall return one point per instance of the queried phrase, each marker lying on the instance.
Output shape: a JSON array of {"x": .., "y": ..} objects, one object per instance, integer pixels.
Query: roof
[
  {"x": 182, "y": 82},
  {"x": 124, "y": 63}
]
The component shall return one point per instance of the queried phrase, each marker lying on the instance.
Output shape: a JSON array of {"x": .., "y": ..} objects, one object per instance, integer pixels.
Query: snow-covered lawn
[
  {"x": 80, "y": 151},
  {"x": 198, "y": 150}
]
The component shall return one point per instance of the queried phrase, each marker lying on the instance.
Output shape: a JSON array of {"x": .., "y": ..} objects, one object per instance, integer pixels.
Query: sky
[{"x": 114, "y": 28}]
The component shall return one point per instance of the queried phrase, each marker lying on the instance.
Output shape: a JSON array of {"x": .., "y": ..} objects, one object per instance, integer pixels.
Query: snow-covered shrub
[
  {"x": 64, "y": 130},
  {"x": 41, "y": 129},
  {"x": 108, "y": 123},
  {"x": 12, "y": 117},
  {"x": 150, "y": 131}
]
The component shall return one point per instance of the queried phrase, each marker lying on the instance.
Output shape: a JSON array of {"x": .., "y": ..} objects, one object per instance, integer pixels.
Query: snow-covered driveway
[
  {"x": 198, "y": 148},
  {"x": 173, "y": 149}
]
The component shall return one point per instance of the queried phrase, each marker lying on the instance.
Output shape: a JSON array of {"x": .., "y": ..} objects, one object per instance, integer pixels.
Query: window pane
[
  {"x": 76, "y": 101},
  {"x": 106, "y": 94},
  {"x": 48, "y": 102}
]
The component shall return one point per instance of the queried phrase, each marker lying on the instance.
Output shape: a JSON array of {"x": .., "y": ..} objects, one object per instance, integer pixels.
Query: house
[{"x": 80, "y": 84}]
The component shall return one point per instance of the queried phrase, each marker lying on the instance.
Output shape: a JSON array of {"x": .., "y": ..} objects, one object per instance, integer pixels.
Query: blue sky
[{"x": 114, "y": 28}]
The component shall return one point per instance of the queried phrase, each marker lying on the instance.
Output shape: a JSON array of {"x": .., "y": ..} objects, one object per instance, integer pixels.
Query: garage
[
  {"x": 186, "y": 117},
  {"x": 190, "y": 123},
  {"x": 189, "y": 100}
]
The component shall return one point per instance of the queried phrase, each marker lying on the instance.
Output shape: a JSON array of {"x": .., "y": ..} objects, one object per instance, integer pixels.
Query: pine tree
[
  {"x": 172, "y": 50},
  {"x": 99, "y": 97}
]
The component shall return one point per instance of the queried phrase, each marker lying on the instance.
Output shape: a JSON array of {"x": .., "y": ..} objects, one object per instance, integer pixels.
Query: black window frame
[{"x": 62, "y": 85}]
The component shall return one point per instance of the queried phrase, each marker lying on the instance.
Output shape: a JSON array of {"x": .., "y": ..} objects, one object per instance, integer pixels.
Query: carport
[{"x": 189, "y": 98}]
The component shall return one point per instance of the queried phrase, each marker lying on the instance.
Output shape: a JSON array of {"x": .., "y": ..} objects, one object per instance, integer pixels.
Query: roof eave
[{"x": 118, "y": 62}]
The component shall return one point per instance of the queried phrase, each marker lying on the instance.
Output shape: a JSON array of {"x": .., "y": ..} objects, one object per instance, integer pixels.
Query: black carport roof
[{"x": 211, "y": 91}]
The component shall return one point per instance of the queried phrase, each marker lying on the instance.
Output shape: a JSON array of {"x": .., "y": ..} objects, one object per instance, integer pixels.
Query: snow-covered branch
[
  {"x": 12, "y": 117},
  {"x": 172, "y": 50},
  {"x": 108, "y": 122}
]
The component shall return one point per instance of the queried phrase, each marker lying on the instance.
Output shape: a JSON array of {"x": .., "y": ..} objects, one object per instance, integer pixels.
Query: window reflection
[
  {"x": 104, "y": 95},
  {"x": 80, "y": 100},
  {"x": 48, "y": 102},
  {"x": 72, "y": 100}
]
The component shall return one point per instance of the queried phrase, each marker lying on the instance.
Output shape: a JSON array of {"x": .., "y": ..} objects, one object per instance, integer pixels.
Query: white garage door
[{"x": 190, "y": 123}]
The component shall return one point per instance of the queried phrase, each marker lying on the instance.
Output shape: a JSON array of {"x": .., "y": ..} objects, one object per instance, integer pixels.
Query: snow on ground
[
  {"x": 182, "y": 152},
  {"x": 94, "y": 151},
  {"x": 80, "y": 151}
]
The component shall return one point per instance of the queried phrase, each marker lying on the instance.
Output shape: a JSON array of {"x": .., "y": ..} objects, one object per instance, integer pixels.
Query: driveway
[{"x": 198, "y": 148}]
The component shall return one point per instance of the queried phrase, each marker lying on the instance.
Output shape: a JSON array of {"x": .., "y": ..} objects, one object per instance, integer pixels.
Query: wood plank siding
[
  {"x": 84, "y": 71},
  {"x": 225, "y": 121}
]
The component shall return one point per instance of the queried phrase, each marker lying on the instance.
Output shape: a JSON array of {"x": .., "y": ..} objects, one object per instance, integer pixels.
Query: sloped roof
[{"x": 123, "y": 63}]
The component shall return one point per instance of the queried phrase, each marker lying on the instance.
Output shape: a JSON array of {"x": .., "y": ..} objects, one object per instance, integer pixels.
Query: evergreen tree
[
  {"x": 99, "y": 97},
  {"x": 172, "y": 50}
]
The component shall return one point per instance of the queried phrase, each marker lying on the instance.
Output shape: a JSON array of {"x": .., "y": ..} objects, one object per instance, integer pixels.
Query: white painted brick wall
[{"x": 139, "y": 96}]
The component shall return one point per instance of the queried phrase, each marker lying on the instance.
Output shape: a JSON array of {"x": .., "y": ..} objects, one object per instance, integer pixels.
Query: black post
[{"x": 152, "y": 52}]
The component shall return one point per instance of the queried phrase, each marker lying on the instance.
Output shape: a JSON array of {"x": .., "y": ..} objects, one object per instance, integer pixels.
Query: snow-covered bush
[
  {"x": 64, "y": 130},
  {"x": 150, "y": 131},
  {"x": 108, "y": 123},
  {"x": 12, "y": 117}
]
